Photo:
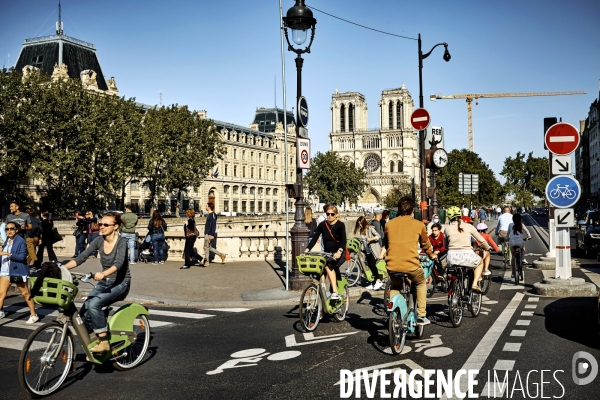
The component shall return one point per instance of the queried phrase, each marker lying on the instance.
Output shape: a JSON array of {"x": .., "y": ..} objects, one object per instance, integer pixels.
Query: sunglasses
[
  {"x": 105, "y": 225},
  {"x": 10, "y": 229},
  {"x": 330, "y": 214}
]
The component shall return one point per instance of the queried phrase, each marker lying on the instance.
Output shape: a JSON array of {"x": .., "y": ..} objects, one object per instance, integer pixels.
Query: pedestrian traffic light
[{"x": 548, "y": 122}]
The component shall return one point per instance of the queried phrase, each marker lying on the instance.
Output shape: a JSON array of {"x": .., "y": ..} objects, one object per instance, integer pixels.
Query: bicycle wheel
[
  {"x": 396, "y": 332},
  {"x": 455, "y": 306},
  {"x": 570, "y": 194},
  {"x": 554, "y": 193},
  {"x": 310, "y": 308},
  {"x": 431, "y": 284},
  {"x": 45, "y": 362},
  {"x": 133, "y": 354},
  {"x": 341, "y": 312},
  {"x": 352, "y": 273},
  {"x": 486, "y": 284},
  {"x": 474, "y": 304},
  {"x": 518, "y": 266},
  {"x": 386, "y": 293}
]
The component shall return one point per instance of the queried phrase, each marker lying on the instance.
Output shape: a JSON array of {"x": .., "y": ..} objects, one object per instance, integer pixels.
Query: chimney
[
  {"x": 254, "y": 126},
  {"x": 202, "y": 114},
  {"x": 581, "y": 126}
]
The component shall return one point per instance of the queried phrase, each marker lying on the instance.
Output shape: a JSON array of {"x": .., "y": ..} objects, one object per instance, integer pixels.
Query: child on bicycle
[
  {"x": 482, "y": 229},
  {"x": 439, "y": 248},
  {"x": 515, "y": 239}
]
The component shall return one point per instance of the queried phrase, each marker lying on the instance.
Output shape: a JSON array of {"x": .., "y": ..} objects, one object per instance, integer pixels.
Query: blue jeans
[
  {"x": 80, "y": 244},
  {"x": 101, "y": 296},
  {"x": 91, "y": 238},
  {"x": 131, "y": 240},
  {"x": 158, "y": 241}
]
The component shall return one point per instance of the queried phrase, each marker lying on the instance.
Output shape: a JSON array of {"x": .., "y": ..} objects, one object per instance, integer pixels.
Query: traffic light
[{"x": 548, "y": 122}]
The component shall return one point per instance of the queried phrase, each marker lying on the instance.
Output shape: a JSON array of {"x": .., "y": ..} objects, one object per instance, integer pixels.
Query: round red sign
[
  {"x": 420, "y": 119},
  {"x": 562, "y": 138}
]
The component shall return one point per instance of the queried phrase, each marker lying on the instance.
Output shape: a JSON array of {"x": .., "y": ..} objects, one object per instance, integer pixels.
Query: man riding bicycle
[
  {"x": 502, "y": 225},
  {"x": 401, "y": 236}
]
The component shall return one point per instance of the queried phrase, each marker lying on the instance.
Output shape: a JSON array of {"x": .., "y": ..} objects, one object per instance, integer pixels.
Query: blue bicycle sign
[{"x": 563, "y": 191}]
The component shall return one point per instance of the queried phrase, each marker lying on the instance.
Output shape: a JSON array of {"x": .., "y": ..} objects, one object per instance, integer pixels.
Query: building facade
[{"x": 389, "y": 153}]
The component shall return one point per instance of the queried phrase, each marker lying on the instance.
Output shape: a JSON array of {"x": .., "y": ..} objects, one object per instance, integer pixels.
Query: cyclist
[
  {"x": 401, "y": 254},
  {"x": 515, "y": 238},
  {"x": 458, "y": 242},
  {"x": 439, "y": 247},
  {"x": 333, "y": 232},
  {"x": 370, "y": 242},
  {"x": 113, "y": 281},
  {"x": 482, "y": 229},
  {"x": 502, "y": 225}
]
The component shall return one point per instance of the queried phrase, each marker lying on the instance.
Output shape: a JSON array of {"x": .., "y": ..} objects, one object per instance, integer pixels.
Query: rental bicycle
[
  {"x": 357, "y": 266},
  {"x": 49, "y": 352},
  {"x": 314, "y": 301},
  {"x": 518, "y": 263},
  {"x": 460, "y": 295},
  {"x": 402, "y": 309},
  {"x": 506, "y": 255}
]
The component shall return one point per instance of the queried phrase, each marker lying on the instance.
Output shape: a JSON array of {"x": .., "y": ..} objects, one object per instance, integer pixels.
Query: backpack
[{"x": 48, "y": 270}]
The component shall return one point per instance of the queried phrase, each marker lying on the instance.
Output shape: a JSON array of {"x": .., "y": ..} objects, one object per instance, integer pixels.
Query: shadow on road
[{"x": 574, "y": 319}]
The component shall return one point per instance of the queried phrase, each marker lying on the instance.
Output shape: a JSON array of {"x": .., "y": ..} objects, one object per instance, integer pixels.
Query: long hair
[
  {"x": 335, "y": 210},
  {"x": 517, "y": 224},
  {"x": 461, "y": 230},
  {"x": 156, "y": 219},
  {"x": 307, "y": 215},
  {"x": 116, "y": 217},
  {"x": 190, "y": 213},
  {"x": 361, "y": 225}
]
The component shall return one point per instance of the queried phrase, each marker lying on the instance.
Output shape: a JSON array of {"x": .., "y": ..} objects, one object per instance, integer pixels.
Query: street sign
[
  {"x": 563, "y": 191},
  {"x": 468, "y": 183},
  {"x": 420, "y": 119},
  {"x": 562, "y": 165},
  {"x": 562, "y": 138},
  {"x": 302, "y": 132},
  {"x": 434, "y": 134},
  {"x": 564, "y": 217},
  {"x": 303, "y": 111},
  {"x": 303, "y": 153}
]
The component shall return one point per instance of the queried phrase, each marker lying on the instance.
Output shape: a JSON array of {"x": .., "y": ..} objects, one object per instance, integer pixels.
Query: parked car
[
  {"x": 588, "y": 234},
  {"x": 540, "y": 211}
]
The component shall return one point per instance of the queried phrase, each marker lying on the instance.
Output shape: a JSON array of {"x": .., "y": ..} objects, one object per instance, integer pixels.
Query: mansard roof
[
  {"x": 43, "y": 52},
  {"x": 238, "y": 128}
]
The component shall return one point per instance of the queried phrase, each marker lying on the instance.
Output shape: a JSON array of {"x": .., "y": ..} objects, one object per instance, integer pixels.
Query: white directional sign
[
  {"x": 434, "y": 134},
  {"x": 562, "y": 165},
  {"x": 564, "y": 217},
  {"x": 303, "y": 153}
]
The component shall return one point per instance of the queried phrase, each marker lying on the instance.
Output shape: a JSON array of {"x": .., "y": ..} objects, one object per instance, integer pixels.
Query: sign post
[{"x": 303, "y": 153}]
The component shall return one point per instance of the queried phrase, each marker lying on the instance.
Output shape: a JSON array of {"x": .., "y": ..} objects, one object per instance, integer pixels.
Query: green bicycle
[
  {"x": 357, "y": 266},
  {"x": 314, "y": 301}
]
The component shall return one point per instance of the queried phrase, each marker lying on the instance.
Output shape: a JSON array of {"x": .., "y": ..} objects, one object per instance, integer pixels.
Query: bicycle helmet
[
  {"x": 453, "y": 212},
  {"x": 482, "y": 227}
]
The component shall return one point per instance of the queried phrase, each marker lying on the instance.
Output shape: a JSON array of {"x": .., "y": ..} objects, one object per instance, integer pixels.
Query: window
[
  {"x": 372, "y": 163},
  {"x": 244, "y": 155},
  {"x": 274, "y": 174},
  {"x": 391, "y": 115},
  {"x": 226, "y": 189},
  {"x": 351, "y": 118},
  {"x": 252, "y": 190},
  {"x": 260, "y": 173},
  {"x": 37, "y": 61},
  {"x": 400, "y": 166},
  {"x": 266, "y": 158},
  {"x": 399, "y": 106},
  {"x": 243, "y": 172},
  {"x": 274, "y": 206},
  {"x": 252, "y": 172},
  {"x": 260, "y": 203},
  {"x": 252, "y": 206},
  {"x": 275, "y": 191},
  {"x": 243, "y": 206},
  {"x": 225, "y": 205},
  {"x": 235, "y": 170},
  {"x": 274, "y": 159},
  {"x": 391, "y": 166},
  {"x": 260, "y": 191},
  {"x": 234, "y": 153},
  {"x": 135, "y": 185},
  {"x": 226, "y": 169},
  {"x": 235, "y": 206},
  {"x": 244, "y": 190},
  {"x": 236, "y": 189},
  {"x": 267, "y": 207},
  {"x": 291, "y": 160},
  {"x": 342, "y": 118},
  {"x": 259, "y": 157},
  {"x": 268, "y": 191},
  {"x": 252, "y": 156}
]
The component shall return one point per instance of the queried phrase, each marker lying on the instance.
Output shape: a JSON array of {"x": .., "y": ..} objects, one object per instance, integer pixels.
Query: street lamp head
[
  {"x": 446, "y": 53},
  {"x": 299, "y": 19}
]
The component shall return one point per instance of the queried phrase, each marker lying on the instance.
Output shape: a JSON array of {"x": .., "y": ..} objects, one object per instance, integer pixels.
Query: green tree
[
  {"x": 466, "y": 162},
  {"x": 334, "y": 179},
  {"x": 400, "y": 188},
  {"x": 526, "y": 178}
]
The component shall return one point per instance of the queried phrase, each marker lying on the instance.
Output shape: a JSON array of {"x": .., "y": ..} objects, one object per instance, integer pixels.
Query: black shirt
[{"x": 331, "y": 244}]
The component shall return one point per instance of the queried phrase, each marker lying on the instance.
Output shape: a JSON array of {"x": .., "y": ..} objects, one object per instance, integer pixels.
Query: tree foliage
[
  {"x": 86, "y": 147},
  {"x": 401, "y": 188},
  {"x": 334, "y": 179},
  {"x": 526, "y": 178},
  {"x": 466, "y": 162}
]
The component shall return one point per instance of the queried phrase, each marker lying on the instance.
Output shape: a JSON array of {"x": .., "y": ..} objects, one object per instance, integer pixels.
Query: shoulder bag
[
  {"x": 331, "y": 233},
  {"x": 191, "y": 233}
]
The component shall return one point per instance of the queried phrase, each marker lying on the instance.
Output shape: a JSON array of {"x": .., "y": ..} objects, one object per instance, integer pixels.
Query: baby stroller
[{"x": 146, "y": 252}]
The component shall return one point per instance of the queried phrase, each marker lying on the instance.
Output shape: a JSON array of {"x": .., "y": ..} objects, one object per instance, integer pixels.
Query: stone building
[{"x": 389, "y": 153}]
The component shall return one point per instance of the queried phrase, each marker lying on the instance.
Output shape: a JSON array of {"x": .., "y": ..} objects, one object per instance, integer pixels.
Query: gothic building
[{"x": 389, "y": 153}]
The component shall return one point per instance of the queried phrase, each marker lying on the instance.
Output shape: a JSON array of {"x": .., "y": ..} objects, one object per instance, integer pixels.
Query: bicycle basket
[
  {"x": 353, "y": 244},
  {"x": 426, "y": 262},
  {"x": 55, "y": 292},
  {"x": 308, "y": 265}
]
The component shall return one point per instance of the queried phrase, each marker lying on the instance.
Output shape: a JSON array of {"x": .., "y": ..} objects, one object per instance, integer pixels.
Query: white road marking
[
  {"x": 235, "y": 310},
  {"x": 508, "y": 283},
  {"x": 504, "y": 365},
  {"x": 511, "y": 346},
  {"x": 179, "y": 314},
  {"x": 532, "y": 299},
  {"x": 526, "y": 313},
  {"x": 488, "y": 342},
  {"x": 518, "y": 332},
  {"x": 18, "y": 344},
  {"x": 484, "y": 312},
  {"x": 290, "y": 340},
  {"x": 524, "y": 322},
  {"x": 284, "y": 355},
  {"x": 531, "y": 306},
  {"x": 486, "y": 309}
]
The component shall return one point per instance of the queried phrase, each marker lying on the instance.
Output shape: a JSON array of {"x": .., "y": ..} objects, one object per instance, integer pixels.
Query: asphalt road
[{"x": 193, "y": 355}]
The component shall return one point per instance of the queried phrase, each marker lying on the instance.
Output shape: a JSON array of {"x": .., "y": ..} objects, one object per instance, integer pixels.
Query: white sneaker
[
  {"x": 370, "y": 287},
  {"x": 487, "y": 272},
  {"x": 378, "y": 285},
  {"x": 32, "y": 319},
  {"x": 2, "y": 314},
  {"x": 525, "y": 262},
  {"x": 335, "y": 296}
]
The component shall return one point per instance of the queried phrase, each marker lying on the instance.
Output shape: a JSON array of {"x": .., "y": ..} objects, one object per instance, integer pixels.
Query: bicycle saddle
[{"x": 398, "y": 275}]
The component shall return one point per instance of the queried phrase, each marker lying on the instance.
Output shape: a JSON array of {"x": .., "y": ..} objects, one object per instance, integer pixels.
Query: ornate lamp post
[
  {"x": 422, "y": 133},
  {"x": 299, "y": 19}
]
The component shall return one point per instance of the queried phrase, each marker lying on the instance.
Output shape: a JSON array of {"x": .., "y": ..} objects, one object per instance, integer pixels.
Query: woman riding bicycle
[
  {"x": 482, "y": 229},
  {"x": 114, "y": 280},
  {"x": 515, "y": 238},
  {"x": 333, "y": 232},
  {"x": 458, "y": 242},
  {"x": 370, "y": 242}
]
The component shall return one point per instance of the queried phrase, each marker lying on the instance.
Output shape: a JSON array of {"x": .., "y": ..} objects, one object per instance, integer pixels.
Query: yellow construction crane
[{"x": 471, "y": 96}]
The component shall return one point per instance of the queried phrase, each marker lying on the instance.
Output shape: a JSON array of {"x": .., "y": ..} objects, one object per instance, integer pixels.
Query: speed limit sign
[{"x": 303, "y": 153}]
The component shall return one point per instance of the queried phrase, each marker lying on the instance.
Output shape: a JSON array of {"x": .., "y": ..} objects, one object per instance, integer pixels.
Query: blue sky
[{"x": 224, "y": 56}]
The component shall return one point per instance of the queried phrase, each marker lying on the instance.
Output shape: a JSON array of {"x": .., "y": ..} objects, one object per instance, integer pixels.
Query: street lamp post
[
  {"x": 299, "y": 19},
  {"x": 422, "y": 133}
]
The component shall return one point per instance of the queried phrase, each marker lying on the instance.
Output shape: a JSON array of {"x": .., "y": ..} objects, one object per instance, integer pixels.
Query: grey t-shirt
[
  {"x": 117, "y": 257},
  {"x": 22, "y": 219}
]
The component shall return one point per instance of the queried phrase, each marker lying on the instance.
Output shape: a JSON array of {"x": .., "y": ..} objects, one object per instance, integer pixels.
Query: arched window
[
  {"x": 252, "y": 189},
  {"x": 399, "y": 106},
  {"x": 391, "y": 166},
  {"x": 351, "y": 117},
  {"x": 342, "y": 118},
  {"x": 260, "y": 191},
  {"x": 268, "y": 190},
  {"x": 391, "y": 115},
  {"x": 226, "y": 189},
  {"x": 235, "y": 189},
  {"x": 275, "y": 191},
  {"x": 400, "y": 165}
]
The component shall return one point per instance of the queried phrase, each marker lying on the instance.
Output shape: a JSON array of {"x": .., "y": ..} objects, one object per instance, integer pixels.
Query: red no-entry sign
[
  {"x": 562, "y": 138},
  {"x": 420, "y": 119}
]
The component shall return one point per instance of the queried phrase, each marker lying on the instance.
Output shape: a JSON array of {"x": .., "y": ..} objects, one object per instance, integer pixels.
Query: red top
[
  {"x": 438, "y": 244},
  {"x": 490, "y": 241}
]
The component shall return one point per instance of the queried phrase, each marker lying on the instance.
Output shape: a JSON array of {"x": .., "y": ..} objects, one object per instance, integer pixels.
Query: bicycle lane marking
[{"x": 482, "y": 351}]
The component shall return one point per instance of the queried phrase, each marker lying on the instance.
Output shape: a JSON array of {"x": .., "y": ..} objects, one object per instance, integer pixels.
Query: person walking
[
  {"x": 156, "y": 229},
  {"x": 385, "y": 217},
  {"x": 46, "y": 240},
  {"x": 370, "y": 245},
  {"x": 376, "y": 223},
  {"x": 23, "y": 221},
  {"x": 191, "y": 233},
  {"x": 482, "y": 215},
  {"x": 80, "y": 234},
  {"x": 130, "y": 220},
  {"x": 93, "y": 229},
  {"x": 310, "y": 222},
  {"x": 210, "y": 232},
  {"x": 33, "y": 236}
]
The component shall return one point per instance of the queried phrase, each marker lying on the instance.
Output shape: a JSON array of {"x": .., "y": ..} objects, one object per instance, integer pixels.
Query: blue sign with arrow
[
  {"x": 563, "y": 191},
  {"x": 302, "y": 111}
]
